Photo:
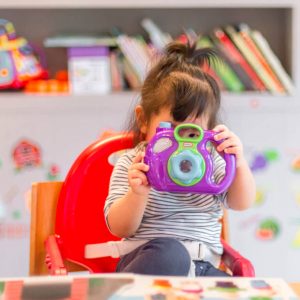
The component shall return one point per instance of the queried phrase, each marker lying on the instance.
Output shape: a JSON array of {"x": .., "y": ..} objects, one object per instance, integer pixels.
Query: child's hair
[{"x": 178, "y": 81}]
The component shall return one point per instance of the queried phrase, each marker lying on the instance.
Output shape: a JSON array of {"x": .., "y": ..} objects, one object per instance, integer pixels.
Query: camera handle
[{"x": 229, "y": 159}]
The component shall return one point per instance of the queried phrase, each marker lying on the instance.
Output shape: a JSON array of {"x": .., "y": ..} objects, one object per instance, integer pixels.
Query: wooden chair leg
[{"x": 44, "y": 198}]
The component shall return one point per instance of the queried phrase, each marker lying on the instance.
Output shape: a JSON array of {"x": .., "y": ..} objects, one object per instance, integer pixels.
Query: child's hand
[
  {"x": 136, "y": 175},
  {"x": 231, "y": 144}
]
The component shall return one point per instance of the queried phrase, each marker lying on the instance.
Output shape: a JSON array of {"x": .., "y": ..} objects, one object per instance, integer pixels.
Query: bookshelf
[{"x": 276, "y": 20}]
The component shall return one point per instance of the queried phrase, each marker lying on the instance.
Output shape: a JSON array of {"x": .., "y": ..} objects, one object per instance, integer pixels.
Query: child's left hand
[{"x": 231, "y": 144}]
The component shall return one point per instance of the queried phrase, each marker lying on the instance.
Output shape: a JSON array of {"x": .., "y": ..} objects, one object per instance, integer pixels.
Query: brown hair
[{"x": 178, "y": 81}]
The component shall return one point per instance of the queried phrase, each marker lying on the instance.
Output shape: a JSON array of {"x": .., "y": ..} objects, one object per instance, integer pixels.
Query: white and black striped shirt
[{"x": 186, "y": 217}]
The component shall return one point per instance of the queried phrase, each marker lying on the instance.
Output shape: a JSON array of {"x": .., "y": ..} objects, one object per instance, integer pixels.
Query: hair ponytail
[
  {"x": 187, "y": 53},
  {"x": 179, "y": 80}
]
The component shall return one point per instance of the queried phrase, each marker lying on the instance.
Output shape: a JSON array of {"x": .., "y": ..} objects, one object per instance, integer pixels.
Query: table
[{"x": 139, "y": 287}]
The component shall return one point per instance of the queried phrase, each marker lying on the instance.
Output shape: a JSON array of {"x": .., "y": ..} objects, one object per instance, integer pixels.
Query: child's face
[{"x": 165, "y": 116}]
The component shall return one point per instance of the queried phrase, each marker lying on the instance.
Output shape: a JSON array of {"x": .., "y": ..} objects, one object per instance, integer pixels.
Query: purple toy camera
[{"x": 179, "y": 160}]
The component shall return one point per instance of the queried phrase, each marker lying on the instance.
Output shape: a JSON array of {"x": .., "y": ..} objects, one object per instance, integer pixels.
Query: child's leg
[
  {"x": 205, "y": 268},
  {"x": 161, "y": 256}
]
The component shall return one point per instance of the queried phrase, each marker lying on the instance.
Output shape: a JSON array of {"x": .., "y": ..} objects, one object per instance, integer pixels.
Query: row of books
[{"x": 247, "y": 62}]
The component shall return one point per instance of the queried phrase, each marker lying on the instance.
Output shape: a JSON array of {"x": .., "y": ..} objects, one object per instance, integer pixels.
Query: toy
[
  {"x": 17, "y": 61},
  {"x": 179, "y": 160},
  {"x": 57, "y": 85}
]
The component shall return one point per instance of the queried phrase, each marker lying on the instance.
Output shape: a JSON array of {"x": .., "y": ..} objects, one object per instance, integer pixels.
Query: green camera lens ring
[{"x": 186, "y": 179}]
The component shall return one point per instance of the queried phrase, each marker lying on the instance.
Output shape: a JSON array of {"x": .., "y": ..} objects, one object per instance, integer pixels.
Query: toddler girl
[{"x": 168, "y": 233}]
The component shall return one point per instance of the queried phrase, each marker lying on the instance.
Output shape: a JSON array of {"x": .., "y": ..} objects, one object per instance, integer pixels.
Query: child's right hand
[{"x": 136, "y": 176}]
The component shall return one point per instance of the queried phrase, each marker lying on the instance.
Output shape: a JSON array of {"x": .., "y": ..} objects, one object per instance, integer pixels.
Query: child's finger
[
  {"x": 222, "y": 135},
  {"x": 138, "y": 158},
  {"x": 226, "y": 144},
  {"x": 139, "y": 166},
  {"x": 220, "y": 127},
  {"x": 142, "y": 179},
  {"x": 232, "y": 150},
  {"x": 136, "y": 182},
  {"x": 135, "y": 173}
]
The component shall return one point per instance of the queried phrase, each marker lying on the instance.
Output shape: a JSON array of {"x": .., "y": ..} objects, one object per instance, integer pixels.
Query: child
[{"x": 167, "y": 233}]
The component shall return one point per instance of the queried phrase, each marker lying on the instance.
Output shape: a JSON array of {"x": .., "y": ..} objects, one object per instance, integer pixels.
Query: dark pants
[{"x": 164, "y": 256}]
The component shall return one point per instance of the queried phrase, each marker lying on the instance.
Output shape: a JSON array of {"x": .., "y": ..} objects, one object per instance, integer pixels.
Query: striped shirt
[{"x": 186, "y": 217}]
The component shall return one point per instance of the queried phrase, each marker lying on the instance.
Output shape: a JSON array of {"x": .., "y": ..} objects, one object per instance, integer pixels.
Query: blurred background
[{"x": 70, "y": 71}]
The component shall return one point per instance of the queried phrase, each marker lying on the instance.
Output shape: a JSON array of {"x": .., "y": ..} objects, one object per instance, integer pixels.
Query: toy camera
[
  {"x": 179, "y": 160},
  {"x": 17, "y": 62}
]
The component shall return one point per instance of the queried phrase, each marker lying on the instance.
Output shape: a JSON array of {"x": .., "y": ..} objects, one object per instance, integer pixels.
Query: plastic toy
[
  {"x": 180, "y": 161},
  {"x": 17, "y": 61},
  {"x": 59, "y": 84}
]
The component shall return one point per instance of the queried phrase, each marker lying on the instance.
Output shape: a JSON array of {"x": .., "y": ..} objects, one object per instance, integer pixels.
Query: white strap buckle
[
  {"x": 195, "y": 249},
  {"x": 201, "y": 252},
  {"x": 102, "y": 250}
]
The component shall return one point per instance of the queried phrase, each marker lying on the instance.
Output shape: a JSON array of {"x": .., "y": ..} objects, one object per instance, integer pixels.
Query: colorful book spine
[
  {"x": 245, "y": 32},
  {"x": 130, "y": 75},
  {"x": 273, "y": 61},
  {"x": 256, "y": 65},
  {"x": 158, "y": 38},
  {"x": 240, "y": 65},
  {"x": 223, "y": 70},
  {"x": 134, "y": 54},
  {"x": 116, "y": 75},
  {"x": 208, "y": 69}
]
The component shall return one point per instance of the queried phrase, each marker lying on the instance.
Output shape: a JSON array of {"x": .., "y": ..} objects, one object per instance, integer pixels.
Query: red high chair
[{"x": 68, "y": 216}]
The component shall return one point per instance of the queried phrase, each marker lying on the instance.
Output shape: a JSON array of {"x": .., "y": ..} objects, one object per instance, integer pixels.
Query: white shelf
[
  {"x": 90, "y": 104},
  {"x": 30, "y": 103},
  {"x": 144, "y": 3}
]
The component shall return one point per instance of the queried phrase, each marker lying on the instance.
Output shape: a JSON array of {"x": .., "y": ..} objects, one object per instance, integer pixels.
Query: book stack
[
  {"x": 134, "y": 60},
  {"x": 248, "y": 62}
]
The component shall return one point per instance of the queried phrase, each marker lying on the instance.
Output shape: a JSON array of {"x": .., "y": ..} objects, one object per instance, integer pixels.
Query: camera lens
[{"x": 185, "y": 166}]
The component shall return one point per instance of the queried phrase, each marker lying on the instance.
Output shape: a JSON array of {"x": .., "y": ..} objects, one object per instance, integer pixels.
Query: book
[
  {"x": 250, "y": 57},
  {"x": 89, "y": 70},
  {"x": 116, "y": 72},
  {"x": 208, "y": 69},
  {"x": 236, "y": 60},
  {"x": 158, "y": 38},
  {"x": 136, "y": 54},
  {"x": 245, "y": 32},
  {"x": 130, "y": 75},
  {"x": 222, "y": 69},
  {"x": 273, "y": 61}
]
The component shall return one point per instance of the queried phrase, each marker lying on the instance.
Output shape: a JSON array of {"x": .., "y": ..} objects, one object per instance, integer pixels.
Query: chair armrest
[
  {"x": 239, "y": 265},
  {"x": 53, "y": 258}
]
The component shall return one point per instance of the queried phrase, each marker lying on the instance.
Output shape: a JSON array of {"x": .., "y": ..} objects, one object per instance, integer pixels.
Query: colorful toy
[
  {"x": 180, "y": 161},
  {"x": 17, "y": 61}
]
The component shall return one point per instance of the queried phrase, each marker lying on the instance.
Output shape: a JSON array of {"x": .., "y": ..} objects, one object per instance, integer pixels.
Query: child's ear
[{"x": 141, "y": 120}]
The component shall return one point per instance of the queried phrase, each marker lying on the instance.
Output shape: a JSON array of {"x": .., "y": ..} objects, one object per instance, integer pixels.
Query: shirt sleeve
[{"x": 118, "y": 185}]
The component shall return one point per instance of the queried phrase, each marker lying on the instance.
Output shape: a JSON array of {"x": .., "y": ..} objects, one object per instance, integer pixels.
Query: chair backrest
[{"x": 79, "y": 214}]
